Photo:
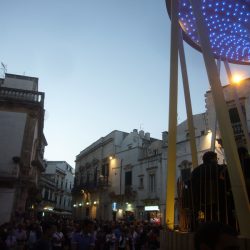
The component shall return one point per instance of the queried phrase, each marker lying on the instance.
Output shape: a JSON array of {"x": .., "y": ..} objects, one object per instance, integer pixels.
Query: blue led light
[{"x": 228, "y": 23}]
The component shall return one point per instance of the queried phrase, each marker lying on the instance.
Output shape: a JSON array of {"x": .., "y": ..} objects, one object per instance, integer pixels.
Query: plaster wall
[
  {"x": 11, "y": 135},
  {"x": 25, "y": 84},
  {"x": 7, "y": 198},
  {"x": 64, "y": 181}
]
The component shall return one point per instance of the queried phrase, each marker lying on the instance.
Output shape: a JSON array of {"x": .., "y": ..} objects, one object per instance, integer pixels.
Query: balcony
[
  {"x": 130, "y": 192},
  {"x": 129, "y": 195},
  {"x": 102, "y": 183},
  {"x": 39, "y": 161},
  {"x": 22, "y": 96}
]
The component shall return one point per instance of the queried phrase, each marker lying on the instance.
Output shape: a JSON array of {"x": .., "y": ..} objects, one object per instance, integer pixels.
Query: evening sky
[{"x": 103, "y": 65}]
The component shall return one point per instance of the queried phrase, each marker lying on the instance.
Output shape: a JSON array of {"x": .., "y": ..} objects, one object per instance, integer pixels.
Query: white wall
[
  {"x": 6, "y": 200},
  {"x": 11, "y": 134},
  {"x": 25, "y": 84}
]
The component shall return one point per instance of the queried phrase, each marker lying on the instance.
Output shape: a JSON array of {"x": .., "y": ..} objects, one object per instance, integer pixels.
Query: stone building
[
  {"x": 96, "y": 177},
  {"x": 112, "y": 176},
  {"x": 56, "y": 185},
  {"x": 123, "y": 175},
  {"x": 22, "y": 144}
]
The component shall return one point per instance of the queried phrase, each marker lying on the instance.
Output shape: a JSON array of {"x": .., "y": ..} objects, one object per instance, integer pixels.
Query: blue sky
[{"x": 103, "y": 65}]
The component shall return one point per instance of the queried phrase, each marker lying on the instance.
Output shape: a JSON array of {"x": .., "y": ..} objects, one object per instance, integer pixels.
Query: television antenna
[{"x": 3, "y": 69}]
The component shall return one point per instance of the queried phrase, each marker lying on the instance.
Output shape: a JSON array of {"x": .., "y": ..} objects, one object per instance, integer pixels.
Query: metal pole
[
  {"x": 234, "y": 168},
  {"x": 238, "y": 106},
  {"x": 172, "y": 125},
  {"x": 214, "y": 129},
  {"x": 190, "y": 121},
  {"x": 121, "y": 177}
]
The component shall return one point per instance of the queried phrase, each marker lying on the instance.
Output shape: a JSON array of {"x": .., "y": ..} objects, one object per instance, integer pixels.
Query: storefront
[{"x": 152, "y": 214}]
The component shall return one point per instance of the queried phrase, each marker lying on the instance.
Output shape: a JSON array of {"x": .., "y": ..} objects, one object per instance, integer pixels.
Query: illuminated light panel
[
  {"x": 228, "y": 24},
  {"x": 237, "y": 78}
]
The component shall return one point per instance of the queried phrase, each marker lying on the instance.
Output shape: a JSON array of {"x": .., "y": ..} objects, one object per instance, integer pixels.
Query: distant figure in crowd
[
  {"x": 21, "y": 236},
  {"x": 85, "y": 240},
  {"x": 215, "y": 236},
  {"x": 58, "y": 238},
  {"x": 44, "y": 243}
]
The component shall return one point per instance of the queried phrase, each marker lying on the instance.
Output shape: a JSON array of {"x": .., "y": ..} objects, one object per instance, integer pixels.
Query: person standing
[
  {"x": 44, "y": 243},
  {"x": 86, "y": 240},
  {"x": 57, "y": 239}
]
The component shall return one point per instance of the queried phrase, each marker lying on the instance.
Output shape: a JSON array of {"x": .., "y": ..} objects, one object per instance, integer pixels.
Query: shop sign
[{"x": 151, "y": 208}]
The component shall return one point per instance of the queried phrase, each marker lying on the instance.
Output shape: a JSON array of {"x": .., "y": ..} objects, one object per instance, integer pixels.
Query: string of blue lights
[{"x": 228, "y": 24}]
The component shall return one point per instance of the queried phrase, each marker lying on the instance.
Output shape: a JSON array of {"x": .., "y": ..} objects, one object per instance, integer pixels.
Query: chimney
[
  {"x": 147, "y": 136},
  {"x": 165, "y": 138},
  {"x": 141, "y": 133}
]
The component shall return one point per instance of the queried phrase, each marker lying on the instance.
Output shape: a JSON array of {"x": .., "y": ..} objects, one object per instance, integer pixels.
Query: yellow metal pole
[
  {"x": 234, "y": 167},
  {"x": 172, "y": 125},
  {"x": 191, "y": 128},
  {"x": 214, "y": 128}
]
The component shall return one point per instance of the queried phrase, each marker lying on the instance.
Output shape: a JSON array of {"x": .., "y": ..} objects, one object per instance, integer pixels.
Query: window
[
  {"x": 155, "y": 151},
  {"x": 87, "y": 177},
  {"x": 95, "y": 176},
  {"x": 141, "y": 182},
  {"x": 105, "y": 169},
  {"x": 128, "y": 178},
  {"x": 62, "y": 183},
  {"x": 46, "y": 194},
  {"x": 151, "y": 182},
  {"x": 235, "y": 120},
  {"x": 234, "y": 116}
]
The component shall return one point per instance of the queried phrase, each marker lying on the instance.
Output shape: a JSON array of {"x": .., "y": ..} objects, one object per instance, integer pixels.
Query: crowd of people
[{"x": 79, "y": 235}]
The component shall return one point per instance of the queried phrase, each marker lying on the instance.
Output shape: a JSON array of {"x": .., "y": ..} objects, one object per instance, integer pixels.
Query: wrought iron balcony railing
[
  {"x": 102, "y": 182},
  {"x": 11, "y": 94}
]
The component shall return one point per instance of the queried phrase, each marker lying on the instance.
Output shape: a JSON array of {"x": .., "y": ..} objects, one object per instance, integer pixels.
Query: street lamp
[{"x": 236, "y": 78}]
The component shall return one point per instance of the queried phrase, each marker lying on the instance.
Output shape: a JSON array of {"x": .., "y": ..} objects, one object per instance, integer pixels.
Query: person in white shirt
[{"x": 57, "y": 239}]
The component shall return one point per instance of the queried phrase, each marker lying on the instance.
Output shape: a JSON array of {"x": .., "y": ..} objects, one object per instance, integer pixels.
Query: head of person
[
  {"x": 48, "y": 228},
  {"x": 209, "y": 157},
  {"x": 88, "y": 226},
  {"x": 215, "y": 236}
]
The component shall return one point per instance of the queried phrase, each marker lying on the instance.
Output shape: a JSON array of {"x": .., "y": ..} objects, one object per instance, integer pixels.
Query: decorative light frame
[{"x": 228, "y": 25}]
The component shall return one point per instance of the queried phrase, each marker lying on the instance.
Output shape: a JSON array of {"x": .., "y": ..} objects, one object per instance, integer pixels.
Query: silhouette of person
[{"x": 210, "y": 184}]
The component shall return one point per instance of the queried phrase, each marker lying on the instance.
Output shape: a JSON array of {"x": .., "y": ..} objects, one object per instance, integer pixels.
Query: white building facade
[
  {"x": 123, "y": 175},
  {"x": 22, "y": 144},
  {"x": 57, "y": 196}
]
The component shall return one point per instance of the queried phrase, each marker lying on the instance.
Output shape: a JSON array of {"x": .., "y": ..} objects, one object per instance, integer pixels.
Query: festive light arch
[{"x": 228, "y": 23}]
